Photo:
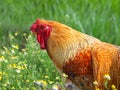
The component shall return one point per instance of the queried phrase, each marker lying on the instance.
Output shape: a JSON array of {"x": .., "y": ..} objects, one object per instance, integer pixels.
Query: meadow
[{"x": 23, "y": 66}]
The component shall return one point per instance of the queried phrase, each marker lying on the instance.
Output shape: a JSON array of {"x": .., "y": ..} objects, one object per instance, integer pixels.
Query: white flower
[
  {"x": 107, "y": 76},
  {"x": 16, "y": 34},
  {"x": 64, "y": 75},
  {"x": 95, "y": 82},
  {"x": 17, "y": 70},
  {"x": 55, "y": 87},
  {"x": 12, "y": 51},
  {"x": 41, "y": 83}
]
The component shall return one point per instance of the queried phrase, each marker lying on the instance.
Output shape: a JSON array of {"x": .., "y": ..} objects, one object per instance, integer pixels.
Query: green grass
[
  {"x": 99, "y": 18},
  {"x": 21, "y": 70}
]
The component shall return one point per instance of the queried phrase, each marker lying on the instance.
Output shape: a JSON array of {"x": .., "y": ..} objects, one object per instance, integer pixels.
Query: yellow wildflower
[
  {"x": 46, "y": 76},
  {"x": 2, "y": 58},
  {"x": 44, "y": 83},
  {"x": 24, "y": 66},
  {"x": 15, "y": 46},
  {"x": 14, "y": 57},
  {"x": 21, "y": 75},
  {"x": 0, "y": 75},
  {"x": 4, "y": 73},
  {"x": 14, "y": 65},
  {"x": 113, "y": 87},
  {"x": 0, "y": 78},
  {"x": 97, "y": 89},
  {"x": 19, "y": 67},
  {"x": 57, "y": 78},
  {"x": 13, "y": 88},
  {"x": 41, "y": 83},
  {"x": 50, "y": 82},
  {"x": 27, "y": 81}
]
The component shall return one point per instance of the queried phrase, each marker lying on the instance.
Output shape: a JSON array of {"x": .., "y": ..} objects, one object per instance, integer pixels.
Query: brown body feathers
[{"x": 83, "y": 58}]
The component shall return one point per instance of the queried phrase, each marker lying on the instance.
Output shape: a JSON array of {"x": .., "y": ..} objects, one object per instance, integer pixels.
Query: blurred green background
[
  {"x": 22, "y": 63},
  {"x": 99, "y": 18}
]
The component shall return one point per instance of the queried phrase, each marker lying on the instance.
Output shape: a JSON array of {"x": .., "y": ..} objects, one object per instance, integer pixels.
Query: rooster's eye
[{"x": 46, "y": 27}]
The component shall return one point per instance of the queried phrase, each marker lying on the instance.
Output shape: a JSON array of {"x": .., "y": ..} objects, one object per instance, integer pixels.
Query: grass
[
  {"x": 99, "y": 18},
  {"x": 21, "y": 61},
  {"x": 21, "y": 70}
]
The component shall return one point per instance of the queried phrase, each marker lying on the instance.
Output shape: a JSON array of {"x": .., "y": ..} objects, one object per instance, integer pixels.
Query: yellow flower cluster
[
  {"x": 1, "y": 75},
  {"x": 19, "y": 67},
  {"x": 106, "y": 82},
  {"x": 40, "y": 84},
  {"x": 2, "y": 59}
]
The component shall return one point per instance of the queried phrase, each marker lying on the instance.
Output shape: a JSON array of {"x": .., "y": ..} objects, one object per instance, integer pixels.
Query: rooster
[{"x": 83, "y": 58}]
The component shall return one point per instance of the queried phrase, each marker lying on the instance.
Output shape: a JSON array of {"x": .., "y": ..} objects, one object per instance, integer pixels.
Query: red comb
[{"x": 34, "y": 25}]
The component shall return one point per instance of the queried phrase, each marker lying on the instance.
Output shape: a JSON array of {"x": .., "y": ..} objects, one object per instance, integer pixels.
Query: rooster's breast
[{"x": 79, "y": 70}]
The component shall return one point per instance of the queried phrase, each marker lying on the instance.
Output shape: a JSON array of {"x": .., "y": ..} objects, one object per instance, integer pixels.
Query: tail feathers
[
  {"x": 118, "y": 64},
  {"x": 116, "y": 70}
]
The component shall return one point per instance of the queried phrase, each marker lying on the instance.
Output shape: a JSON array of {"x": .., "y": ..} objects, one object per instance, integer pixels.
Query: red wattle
[{"x": 41, "y": 41}]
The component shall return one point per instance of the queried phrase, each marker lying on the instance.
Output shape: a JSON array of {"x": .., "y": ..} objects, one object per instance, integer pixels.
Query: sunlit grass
[
  {"x": 26, "y": 68},
  {"x": 99, "y": 18}
]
